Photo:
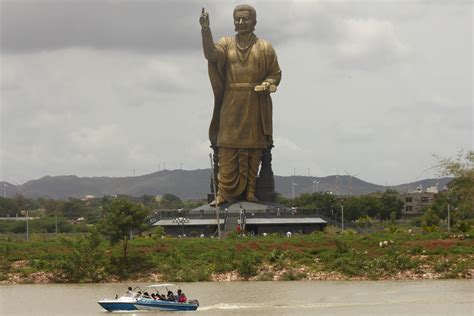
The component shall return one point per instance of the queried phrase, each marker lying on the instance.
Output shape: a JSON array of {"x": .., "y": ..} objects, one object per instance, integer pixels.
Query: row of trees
[
  {"x": 383, "y": 206},
  {"x": 92, "y": 210}
]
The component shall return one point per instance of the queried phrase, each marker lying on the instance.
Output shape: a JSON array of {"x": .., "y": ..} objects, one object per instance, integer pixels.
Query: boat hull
[
  {"x": 147, "y": 304},
  {"x": 112, "y": 306}
]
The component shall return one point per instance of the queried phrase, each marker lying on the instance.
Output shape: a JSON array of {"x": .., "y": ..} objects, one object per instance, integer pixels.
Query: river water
[{"x": 437, "y": 297}]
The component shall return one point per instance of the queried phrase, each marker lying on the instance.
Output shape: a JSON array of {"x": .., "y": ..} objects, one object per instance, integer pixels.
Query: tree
[
  {"x": 74, "y": 208},
  {"x": 170, "y": 201},
  {"x": 122, "y": 217},
  {"x": 461, "y": 189},
  {"x": 390, "y": 204},
  {"x": 8, "y": 207},
  {"x": 430, "y": 219}
]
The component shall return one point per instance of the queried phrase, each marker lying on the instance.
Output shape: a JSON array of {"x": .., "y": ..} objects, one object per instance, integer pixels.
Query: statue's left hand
[{"x": 265, "y": 87}]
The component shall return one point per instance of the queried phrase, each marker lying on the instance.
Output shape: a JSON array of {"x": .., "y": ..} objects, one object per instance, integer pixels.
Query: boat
[
  {"x": 145, "y": 303},
  {"x": 137, "y": 300}
]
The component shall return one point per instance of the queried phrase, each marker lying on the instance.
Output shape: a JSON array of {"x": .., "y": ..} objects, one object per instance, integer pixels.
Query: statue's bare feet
[
  {"x": 251, "y": 197},
  {"x": 218, "y": 201}
]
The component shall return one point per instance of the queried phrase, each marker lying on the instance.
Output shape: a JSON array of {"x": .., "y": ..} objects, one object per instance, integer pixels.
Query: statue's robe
[{"x": 241, "y": 125}]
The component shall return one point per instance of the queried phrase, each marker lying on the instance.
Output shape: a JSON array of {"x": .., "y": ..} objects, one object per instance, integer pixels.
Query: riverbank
[{"x": 319, "y": 256}]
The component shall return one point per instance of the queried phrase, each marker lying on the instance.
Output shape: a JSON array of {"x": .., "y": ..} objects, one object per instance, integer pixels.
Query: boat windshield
[{"x": 129, "y": 294}]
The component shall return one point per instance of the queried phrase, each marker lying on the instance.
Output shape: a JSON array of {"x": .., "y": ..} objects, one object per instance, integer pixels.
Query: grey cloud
[
  {"x": 143, "y": 26},
  {"x": 146, "y": 26}
]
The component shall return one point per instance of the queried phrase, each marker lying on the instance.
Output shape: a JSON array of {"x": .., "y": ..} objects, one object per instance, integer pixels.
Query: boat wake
[{"x": 224, "y": 306}]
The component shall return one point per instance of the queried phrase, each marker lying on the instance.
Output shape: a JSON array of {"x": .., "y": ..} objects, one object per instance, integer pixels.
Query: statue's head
[{"x": 245, "y": 18}]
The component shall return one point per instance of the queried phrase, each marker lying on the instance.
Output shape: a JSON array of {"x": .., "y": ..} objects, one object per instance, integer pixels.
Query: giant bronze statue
[{"x": 243, "y": 71}]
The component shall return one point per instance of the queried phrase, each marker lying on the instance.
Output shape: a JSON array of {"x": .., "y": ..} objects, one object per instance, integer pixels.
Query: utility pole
[
  {"x": 215, "y": 198},
  {"x": 342, "y": 217},
  {"x": 56, "y": 222},
  {"x": 350, "y": 181},
  {"x": 27, "y": 224},
  {"x": 449, "y": 218}
]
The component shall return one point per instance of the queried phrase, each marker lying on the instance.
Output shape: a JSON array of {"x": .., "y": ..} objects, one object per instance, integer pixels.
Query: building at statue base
[{"x": 246, "y": 217}]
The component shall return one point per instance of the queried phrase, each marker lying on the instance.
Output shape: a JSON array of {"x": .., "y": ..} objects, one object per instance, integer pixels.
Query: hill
[{"x": 191, "y": 184}]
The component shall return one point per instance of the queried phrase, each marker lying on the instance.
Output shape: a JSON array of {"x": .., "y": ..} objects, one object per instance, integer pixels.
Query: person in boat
[
  {"x": 129, "y": 292},
  {"x": 171, "y": 297},
  {"x": 182, "y": 297},
  {"x": 153, "y": 296}
]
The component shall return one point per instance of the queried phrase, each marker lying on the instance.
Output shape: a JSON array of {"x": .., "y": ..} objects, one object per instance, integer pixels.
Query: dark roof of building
[
  {"x": 247, "y": 206},
  {"x": 187, "y": 222},
  {"x": 285, "y": 221}
]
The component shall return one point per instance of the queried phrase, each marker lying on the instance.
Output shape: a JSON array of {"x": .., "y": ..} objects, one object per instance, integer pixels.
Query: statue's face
[{"x": 243, "y": 22}]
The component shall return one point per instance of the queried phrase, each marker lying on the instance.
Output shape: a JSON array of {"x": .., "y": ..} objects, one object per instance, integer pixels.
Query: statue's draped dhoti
[{"x": 237, "y": 171}]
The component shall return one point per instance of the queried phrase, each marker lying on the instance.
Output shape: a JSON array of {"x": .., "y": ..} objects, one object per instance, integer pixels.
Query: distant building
[
  {"x": 88, "y": 197},
  {"x": 254, "y": 218},
  {"x": 416, "y": 201}
]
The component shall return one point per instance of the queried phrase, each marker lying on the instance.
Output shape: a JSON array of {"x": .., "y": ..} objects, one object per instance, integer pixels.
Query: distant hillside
[{"x": 191, "y": 184}]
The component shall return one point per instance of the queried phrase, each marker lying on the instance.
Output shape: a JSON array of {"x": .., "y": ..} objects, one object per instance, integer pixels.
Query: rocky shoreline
[{"x": 425, "y": 272}]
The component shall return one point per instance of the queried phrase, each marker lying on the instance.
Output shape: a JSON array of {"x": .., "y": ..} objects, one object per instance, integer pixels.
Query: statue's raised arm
[{"x": 210, "y": 51}]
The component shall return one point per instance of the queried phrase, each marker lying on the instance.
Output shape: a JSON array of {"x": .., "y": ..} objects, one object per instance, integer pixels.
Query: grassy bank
[{"x": 382, "y": 255}]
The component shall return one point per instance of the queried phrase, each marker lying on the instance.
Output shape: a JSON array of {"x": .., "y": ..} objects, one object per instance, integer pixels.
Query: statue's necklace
[{"x": 243, "y": 52}]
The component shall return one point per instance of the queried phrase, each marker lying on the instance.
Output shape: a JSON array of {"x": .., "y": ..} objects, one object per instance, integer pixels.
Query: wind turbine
[{"x": 350, "y": 180}]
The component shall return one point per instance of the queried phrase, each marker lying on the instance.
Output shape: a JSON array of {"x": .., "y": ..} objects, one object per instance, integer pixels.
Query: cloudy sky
[{"x": 109, "y": 88}]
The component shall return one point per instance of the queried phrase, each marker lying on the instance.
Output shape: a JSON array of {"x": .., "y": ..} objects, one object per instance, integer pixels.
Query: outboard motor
[{"x": 194, "y": 302}]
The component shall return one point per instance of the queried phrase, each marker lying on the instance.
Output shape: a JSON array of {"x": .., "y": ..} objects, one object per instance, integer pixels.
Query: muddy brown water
[{"x": 427, "y": 297}]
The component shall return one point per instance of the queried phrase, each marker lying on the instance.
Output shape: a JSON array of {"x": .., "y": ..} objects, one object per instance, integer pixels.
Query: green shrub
[
  {"x": 441, "y": 265},
  {"x": 341, "y": 246},
  {"x": 416, "y": 250},
  {"x": 331, "y": 230},
  {"x": 266, "y": 276},
  {"x": 463, "y": 226},
  {"x": 292, "y": 275},
  {"x": 85, "y": 262},
  {"x": 278, "y": 258},
  {"x": 416, "y": 221},
  {"x": 364, "y": 222},
  {"x": 248, "y": 265}
]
